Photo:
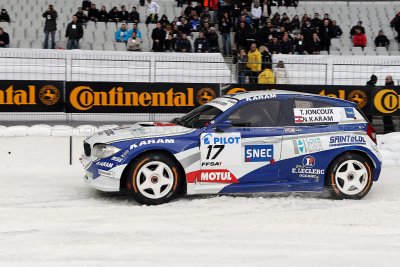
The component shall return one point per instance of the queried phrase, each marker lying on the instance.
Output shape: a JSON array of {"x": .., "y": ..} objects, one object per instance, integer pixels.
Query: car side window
[
  {"x": 256, "y": 114},
  {"x": 310, "y": 103}
]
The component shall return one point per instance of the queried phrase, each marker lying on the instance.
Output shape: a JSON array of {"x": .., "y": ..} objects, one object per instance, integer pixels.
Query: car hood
[{"x": 139, "y": 130}]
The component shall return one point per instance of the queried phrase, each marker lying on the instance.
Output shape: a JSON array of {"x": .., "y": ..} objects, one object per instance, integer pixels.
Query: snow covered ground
[{"x": 49, "y": 218}]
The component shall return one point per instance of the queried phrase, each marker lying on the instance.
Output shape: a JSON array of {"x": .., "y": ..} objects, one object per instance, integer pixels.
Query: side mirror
[{"x": 223, "y": 126}]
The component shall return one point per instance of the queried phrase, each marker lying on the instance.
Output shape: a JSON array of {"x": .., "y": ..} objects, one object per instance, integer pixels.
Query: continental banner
[
  {"x": 31, "y": 96},
  {"x": 387, "y": 101},
  {"x": 106, "y": 97},
  {"x": 362, "y": 95}
]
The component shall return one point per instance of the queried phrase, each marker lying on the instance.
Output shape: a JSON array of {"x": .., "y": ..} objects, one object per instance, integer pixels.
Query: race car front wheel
[
  {"x": 350, "y": 176},
  {"x": 154, "y": 178}
]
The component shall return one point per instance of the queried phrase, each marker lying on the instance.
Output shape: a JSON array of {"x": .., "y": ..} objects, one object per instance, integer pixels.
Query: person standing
[
  {"x": 371, "y": 83},
  {"x": 281, "y": 73},
  {"x": 152, "y": 12},
  {"x": 267, "y": 76},
  {"x": 388, "y": 125},
  {"x": 74, "y": 33},
  {"x": 225, "y": 30},
  {"x": 395, "y": 23},
  {"x": 256, "y": 13},
  {"x": 325, "y": 35},
  {"x": 50, "y": 27},
  {"x": 254, "y": 63},
  {"x": 241, "y": 61},
  {"x": 158, "y": 35},
  {"x": 4, "y": 39}
]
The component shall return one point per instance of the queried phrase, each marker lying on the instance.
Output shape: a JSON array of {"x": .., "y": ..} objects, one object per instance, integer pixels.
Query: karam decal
[
  {"x": 344, "y": 140},
  {"x": 260, "y": 97},
  {"x": 258, "y": 153},
  {"x": 307, "y": 145},
  {"x": 152, "y": 141},
  {"x": 316, "y": 115},
  {"x": 105, "y": 164}
]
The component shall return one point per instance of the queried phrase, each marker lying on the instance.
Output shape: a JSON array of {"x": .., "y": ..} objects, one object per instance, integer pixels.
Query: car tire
[
  {"x": 350, "y": 176},
  {"x": 154, "y": 178}
]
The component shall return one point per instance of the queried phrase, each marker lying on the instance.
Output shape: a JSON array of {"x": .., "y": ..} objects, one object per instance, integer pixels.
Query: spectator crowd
[{"x": 197, "y": 29}]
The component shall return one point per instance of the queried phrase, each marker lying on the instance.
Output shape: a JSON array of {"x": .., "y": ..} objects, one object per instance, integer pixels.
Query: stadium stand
[{"x": 26, "y": 26}]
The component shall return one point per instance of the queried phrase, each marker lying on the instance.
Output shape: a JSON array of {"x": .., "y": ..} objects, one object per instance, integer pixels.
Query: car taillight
[{"x": 371, "y": 132}]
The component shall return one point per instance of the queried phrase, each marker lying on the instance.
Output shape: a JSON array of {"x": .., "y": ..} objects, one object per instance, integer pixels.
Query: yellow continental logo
[
  {"x": 84, "y": 98},
  {"x": 11, "y": 96},
  {"x": 49, "y": 95},
  {"x": 235, "y": 90},
  {"x": 205, "y": 95},
  {"x": 387, "y": 101},
  {"x": 359, "y": 97}
]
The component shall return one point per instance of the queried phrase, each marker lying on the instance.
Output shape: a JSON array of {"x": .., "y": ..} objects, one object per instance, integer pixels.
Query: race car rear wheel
[
  {"x": 154, "y": 179},
  {"x": 350, "y": 176}
]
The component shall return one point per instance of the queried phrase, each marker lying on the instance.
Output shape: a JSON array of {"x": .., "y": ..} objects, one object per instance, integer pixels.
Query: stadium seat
[
  {"x": 109, "y": 46},
  {"x": 120, "y": 46},
  {"x": 37, "y": 44}
]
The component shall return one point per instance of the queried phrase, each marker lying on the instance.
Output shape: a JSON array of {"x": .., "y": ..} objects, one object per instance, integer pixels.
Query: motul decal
[{"x": 212, "y": 176}]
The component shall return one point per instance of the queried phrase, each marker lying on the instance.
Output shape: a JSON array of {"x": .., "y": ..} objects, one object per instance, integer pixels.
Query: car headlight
[{"x": 104, "y": 151}]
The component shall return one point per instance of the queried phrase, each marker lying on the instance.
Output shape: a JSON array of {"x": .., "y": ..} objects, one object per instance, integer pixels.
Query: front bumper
[
  {"x": 102, "y": 183},
  {"x": 103, "y": 180}
]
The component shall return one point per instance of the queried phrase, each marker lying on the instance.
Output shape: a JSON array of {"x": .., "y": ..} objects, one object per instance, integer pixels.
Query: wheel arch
[
  {"x": 354, "y": 151},
  {"x": 165, "y": 152}
]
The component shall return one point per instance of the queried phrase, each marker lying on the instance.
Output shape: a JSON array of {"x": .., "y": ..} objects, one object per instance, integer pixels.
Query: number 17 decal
[{"x": 211, "y": 147}]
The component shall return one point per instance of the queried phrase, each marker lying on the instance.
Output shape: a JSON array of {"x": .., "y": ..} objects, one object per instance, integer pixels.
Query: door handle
[{"x": 272, "y": 140}]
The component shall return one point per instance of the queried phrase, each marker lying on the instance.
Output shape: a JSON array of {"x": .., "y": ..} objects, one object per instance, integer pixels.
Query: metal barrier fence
[
  {"x": 351, "y": 74},
  {"x": 292, "y": 73}
]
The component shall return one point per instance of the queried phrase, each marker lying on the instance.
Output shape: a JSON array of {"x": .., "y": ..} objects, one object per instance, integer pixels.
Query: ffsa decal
[{"x": 220, "y": 149}]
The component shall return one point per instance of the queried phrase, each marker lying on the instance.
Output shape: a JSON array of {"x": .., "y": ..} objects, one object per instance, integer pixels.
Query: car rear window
[{"x": 305, "y": 103}]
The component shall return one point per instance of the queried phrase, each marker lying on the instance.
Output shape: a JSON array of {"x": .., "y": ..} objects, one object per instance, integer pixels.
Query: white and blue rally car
[{"x": 260, "y": 141}]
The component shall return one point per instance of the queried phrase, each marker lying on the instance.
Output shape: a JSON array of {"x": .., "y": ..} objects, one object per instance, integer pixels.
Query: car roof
[{"x": 249, "y": 94}]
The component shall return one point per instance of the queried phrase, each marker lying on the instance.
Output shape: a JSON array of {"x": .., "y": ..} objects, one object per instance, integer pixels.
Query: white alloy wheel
[
  {"x": 351, "y": 177},
  {"x": 155, "y": 179}
]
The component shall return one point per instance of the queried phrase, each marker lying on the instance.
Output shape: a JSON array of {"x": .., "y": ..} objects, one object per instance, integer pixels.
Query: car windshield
[{"x": 198, "y": 117}]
